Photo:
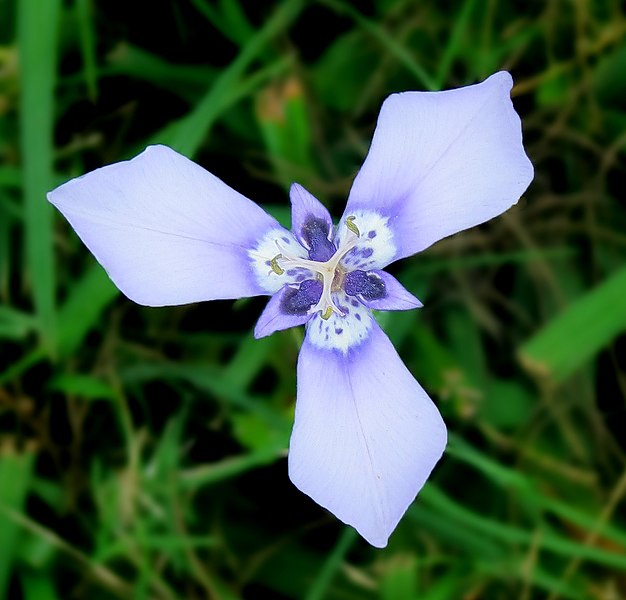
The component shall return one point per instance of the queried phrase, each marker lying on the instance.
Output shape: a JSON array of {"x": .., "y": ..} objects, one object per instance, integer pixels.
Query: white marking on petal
[
  {"x": 341, "y": 333},
  {"x": 267, "y": 249},
  {"x": 376, "y": 247}
]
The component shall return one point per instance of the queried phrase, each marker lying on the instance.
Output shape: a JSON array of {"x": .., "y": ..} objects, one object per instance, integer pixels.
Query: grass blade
[
  {"x": 38, "y": 586},
  {"x": 453, "y": 47},
  {"x": 190, "y": 131},
  {"x": 15, "y": 324},
  {"x": 15, "y": 475},
  {"x": 515, "y": 536},
  {"x": 84, "y": 12},
  {"x": 400, "y": 52},
  {"x": 324, "y": 578},
  {"x": 83, "y": 308},
  {"x": 285, "y": 124},
  {"x": 37, "y": 43},
  {"x": 575, "y": 336},
  {"x": 200, "y": 476}
]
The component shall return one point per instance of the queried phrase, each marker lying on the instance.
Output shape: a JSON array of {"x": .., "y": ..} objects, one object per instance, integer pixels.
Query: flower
[{"x": 366, "y": 435}]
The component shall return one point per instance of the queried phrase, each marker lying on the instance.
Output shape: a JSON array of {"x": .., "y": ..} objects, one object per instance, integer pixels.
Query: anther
[
  {"x": 351, "y": 226},
  {"x": 326, "y": 314},
  {"x": 275, "y": 266}
]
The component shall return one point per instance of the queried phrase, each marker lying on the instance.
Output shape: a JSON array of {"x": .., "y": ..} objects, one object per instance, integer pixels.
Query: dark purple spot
[
  {"x": 339, "y": 331},
  {"x": 297, "y": 301},
  {"x": 291, "y": 272},
  {"x": 371, "y": 235},
  {"x": 368, "y": 285},
  {"x": 354, "y": 302},
  {"x": 286, "y": 240},
  {"x": 315, "y": 234},
  {"x": 358, "y": 316},
  {"x": 367, "y": 252}
]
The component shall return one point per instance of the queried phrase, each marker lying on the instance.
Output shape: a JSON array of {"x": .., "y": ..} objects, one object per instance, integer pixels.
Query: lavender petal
[
  {"x": 311, "y": 224},
  {"x": 288, "y": 307},
  {"x": 379, "y": 290},
  {"x": 441, "y": 162},
  {"x": 366, "y": 435},
  {"x": 166, "y": 231}
]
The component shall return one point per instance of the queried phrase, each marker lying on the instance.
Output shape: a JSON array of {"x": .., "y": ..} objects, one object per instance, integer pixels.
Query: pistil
[{"x": 330, "y": 272}]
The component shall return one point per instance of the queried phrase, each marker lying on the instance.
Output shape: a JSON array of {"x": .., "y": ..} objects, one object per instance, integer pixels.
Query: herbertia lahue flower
[{"x": 366, "y": 435}]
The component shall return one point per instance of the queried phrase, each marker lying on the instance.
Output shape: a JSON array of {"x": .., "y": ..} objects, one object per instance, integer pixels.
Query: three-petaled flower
[{"x": 366, "y": 435}]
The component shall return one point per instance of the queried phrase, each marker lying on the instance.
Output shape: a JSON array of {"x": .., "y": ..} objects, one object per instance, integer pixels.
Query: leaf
[
  {"x": 84, "y": 386},
  {"x": 573, "y": 338},
  {"x": 15, "y": 324},
  {"x": 253, "y": 432},
  {"x": 38, "y": 586},
  {"x": 454, "y": 46},
  {"x": 349, "y": 53},
  {"x": 399, "y": 581},
  {"x": 285, "y": 125},
  {"x": 321, "y": 583},
  {"x": 202, "y": 475},
  {"x": 506, "y": 405},
  {"x": 386, "y": 40},
  {"x": 83, "y": 308},
  {"x": 84, "y": 14},
  {"x": 513, "y": 535},
  {"x": 187, "y": 134},
  {"x": 609, "y": 78},
  {"x": 186, "y": 80},
  {"x": 16, "y": 469},
  {"x": 10, "y": 176},
  {"x": 37, "y": 45}
]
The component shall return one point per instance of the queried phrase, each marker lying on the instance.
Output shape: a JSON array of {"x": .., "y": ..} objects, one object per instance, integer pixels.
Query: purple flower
[{"x": 366, "y": 435}]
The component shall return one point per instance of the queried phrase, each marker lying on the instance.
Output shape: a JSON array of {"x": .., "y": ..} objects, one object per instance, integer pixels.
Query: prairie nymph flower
[{"x": 366, "y": 435}]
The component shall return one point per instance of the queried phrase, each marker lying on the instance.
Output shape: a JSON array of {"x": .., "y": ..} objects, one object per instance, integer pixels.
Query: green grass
[
  {"x": 37, "y": 46},
  {"x": 142, "y": 451}
]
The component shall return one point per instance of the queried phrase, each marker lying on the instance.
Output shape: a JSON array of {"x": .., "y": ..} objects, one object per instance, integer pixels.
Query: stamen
[
  {"x": 327, "y": 271},
  {"x": 351, "y": 226},
  {"x": 275, "y": 266}
]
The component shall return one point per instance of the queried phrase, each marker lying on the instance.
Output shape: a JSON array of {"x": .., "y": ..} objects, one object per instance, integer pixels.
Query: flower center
[{"x": 331, "y": 272}]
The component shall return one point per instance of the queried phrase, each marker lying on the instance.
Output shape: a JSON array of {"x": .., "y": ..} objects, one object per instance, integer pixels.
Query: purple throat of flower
[
  {"x": 331, "y": 275},
  {"x": 366, "y": 436}
]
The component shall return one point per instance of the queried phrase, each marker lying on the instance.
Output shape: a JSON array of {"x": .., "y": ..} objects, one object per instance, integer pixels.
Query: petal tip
[
  {"x": 297, "y": 193},
  {"x": 362, "y": 459},
  {"x": 379, "y": 541},
  {"x": 155, "y": 148},
  {"x": 503, "y": 78},
  {"x": 295, "y": 187},
  {"x": 50, "y": 195},
  {"x": 260, "y": 332}
]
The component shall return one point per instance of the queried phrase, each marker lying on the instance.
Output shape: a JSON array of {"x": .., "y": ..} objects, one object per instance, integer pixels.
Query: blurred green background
[{"x": 142, "y": 451}]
